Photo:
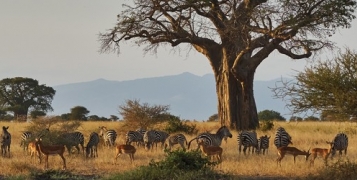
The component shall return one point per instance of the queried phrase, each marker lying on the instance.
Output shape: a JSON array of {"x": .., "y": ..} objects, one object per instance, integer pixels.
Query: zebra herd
[{"x": 148, "y": 139}]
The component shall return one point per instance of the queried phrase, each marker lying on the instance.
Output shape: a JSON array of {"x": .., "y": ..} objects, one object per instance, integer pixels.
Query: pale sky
[{"x": 56, "y": 43}]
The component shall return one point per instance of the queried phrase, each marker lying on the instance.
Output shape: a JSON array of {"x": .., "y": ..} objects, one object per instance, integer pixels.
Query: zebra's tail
[{"x": 189, "y": 143}]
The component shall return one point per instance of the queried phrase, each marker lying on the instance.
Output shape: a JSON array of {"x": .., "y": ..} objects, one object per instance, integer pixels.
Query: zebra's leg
[
  {"x": 78, "y": 149},
  {"x": 244, "y": 149}
]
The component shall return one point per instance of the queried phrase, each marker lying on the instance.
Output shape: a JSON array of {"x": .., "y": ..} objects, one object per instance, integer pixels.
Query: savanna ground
[{"x": 305, "y": 135}]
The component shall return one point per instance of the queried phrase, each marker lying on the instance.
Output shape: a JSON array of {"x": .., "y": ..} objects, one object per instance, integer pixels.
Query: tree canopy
[
  {"x": 328, "y": 87},
  {"x": 143, "y": 115},
  {"x": 19, "y": 95},
  {"x": 79, "y": 113},
  {"x": 270, "y": 115},
  {"x": 235, "y": 36}
]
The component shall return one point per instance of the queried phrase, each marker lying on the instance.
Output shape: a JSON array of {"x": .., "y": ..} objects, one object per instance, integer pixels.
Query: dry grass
[{"x": 305, "y": 135}]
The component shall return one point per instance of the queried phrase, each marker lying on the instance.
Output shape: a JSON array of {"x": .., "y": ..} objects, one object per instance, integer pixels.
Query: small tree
[
  {"x": 143, "y": 115},
  {"x": 270, "y": 115},
  {"x": 113, "y": 118},
  {"x": 79, "y": 113},
  {"x": 327, "y": 87}
]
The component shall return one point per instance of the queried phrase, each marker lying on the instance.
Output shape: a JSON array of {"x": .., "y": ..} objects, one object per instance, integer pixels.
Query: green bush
[
  {"x": 176, "y": 125},
  {"x": 177, "y": 165},
  {"x": 266, "y": 125}
]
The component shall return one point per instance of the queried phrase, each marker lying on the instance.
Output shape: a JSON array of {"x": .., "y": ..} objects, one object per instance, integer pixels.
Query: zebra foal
[
  {"x": 91, "y": 148},
  {"x": 263, "y": 143}
]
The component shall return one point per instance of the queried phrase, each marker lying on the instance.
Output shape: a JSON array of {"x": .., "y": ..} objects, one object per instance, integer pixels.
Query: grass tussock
[{"x": 305, "y": 135}]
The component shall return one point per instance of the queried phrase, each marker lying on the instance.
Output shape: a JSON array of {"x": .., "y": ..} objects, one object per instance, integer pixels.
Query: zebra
[
  {"x": 339, "y": 143},
  {"x": 5, "y": 141},
  {"x": 247, "y": 139},
  {"x": 149, "y": 139},
  {"x": 282, "y": 138},
  {"x": 27, "y": 136},
  {"x": 72, "y": 139},
  {"x": 161, "y": 136},
  {"x": 212, "y": 139},
  {"x": 134, "y": 136},
  {"x": 263, "y": 143},
  {"x": 109, "y": 136},
  {"x": 91, "y": 148},
  {"x": 175, "y": 139}
]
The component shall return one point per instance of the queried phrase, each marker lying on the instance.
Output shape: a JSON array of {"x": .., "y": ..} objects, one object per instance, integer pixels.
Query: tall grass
[{"x": 305, "y": 135}]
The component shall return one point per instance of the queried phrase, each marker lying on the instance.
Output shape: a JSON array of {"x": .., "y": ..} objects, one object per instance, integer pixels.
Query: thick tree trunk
[
  {"x": 236, "y": 103},
  {"x": 21, "y": 115}
]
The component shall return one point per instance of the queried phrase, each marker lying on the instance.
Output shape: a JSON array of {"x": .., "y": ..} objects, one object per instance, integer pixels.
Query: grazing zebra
[
  {"x": 134, "y": 136},
  {"x": 149, "y": 139},
  {"x": 175, "y": 139},
  {"x": 339, "y": 143},
  {"x": 72, "y": 139},
  {"x": 5, "y": 141},
  {"x": 212, "y": 139},
  {"x": 109, "y": 136},
  {"x": 161, "y": 136},
  {"x": 282, "y": 138},
  {"x": 247, "y": 139},
  {"x": 91, "y": 148},
  {"x": 28, "y": 136},
  {"x": 263, "y": 143}
]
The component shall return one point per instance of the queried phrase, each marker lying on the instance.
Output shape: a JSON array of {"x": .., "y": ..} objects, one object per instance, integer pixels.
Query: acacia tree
[
  {"x": 20, "y": 94},
  {"x": 79, "y": 113},
  {"x": 235, "y": 36},
  {"x": 327, "y": 87}
]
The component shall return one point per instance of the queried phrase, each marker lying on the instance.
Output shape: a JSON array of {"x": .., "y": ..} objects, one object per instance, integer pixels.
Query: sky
[{"x": 56, "y": 42}]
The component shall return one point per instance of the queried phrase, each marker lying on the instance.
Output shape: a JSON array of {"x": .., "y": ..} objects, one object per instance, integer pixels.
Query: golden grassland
[{"x": 305, "y": 135}]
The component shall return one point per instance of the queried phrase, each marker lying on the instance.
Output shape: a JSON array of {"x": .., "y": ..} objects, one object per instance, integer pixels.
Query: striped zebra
[
  {"x": 247, "y": 139},
  {"x": 339, "y": 143},
  {"x": 175, "y": 139},
  {"x": 91, "y": 148},
  {"x": 72, "y": 139},
  {"x": 153, "y": 136},
  {"x": 212, "y": 139},
  {"x": 109, "y": 136},
  {"x": 282, "y": 138},
  {"x": 134, "y": 136},
  {"x": 5, "y": 141},
  {"x": 28, "y": 136},
  {"x": 263, "y": 143}
]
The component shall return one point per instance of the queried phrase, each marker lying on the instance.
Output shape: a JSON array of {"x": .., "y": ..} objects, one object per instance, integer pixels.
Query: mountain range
[{"x": 189, "y": 96}]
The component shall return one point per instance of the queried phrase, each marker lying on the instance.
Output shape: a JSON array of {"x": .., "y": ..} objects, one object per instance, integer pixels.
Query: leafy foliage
[
  {"x": 266, "y": 125},
  {"x": 176, "y": 125},
  {"x": 143, "y": 115},
  {"x": 345, "y": 170},
  {"x": 327, "y": 86},
  {"x": 178, "y": 164},
  {"x": 270, "y": 115},
  {"x": 79, "y": 113},
  {"x": 213, "y": 118},
  {"x": 19, "y": 95}
]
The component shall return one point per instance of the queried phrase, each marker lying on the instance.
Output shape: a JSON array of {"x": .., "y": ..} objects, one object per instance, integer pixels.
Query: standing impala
[
  {"x": 51, "y": 150},
  {"x": 324, "y": 153},
  {"x": 291, "y": 150}
]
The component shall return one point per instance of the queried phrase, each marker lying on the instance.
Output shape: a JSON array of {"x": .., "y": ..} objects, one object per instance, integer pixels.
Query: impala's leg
[
  {"x": 64, "y": 162},
  {"x": 46, "y": 162}
]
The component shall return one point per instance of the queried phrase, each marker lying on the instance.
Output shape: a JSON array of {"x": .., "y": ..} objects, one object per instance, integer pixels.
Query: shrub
[
  {"x": 266, "y": 125},
  {"x": 176, "y": 165},
  {"x": 176, "y": 125}
]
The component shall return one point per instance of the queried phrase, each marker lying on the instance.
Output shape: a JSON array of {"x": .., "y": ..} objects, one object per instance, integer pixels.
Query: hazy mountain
[{"x": 189, "y": 96}]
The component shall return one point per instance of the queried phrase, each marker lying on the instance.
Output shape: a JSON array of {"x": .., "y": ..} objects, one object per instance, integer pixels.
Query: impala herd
[{"x": 208, "y": 143}]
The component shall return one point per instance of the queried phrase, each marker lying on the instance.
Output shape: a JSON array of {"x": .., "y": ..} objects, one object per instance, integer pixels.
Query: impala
[
  {"x": 291, "y": 150},
  {"x": 210, "y": 151},
  {"x": 51, "y": 150},
  {"x": 324, "y": 153},
  {"x": 33, "y": 150},
  {"x": 124, "y": 149}
]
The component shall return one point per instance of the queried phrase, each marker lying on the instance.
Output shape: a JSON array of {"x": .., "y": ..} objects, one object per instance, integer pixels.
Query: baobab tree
[{"x": 235, "y": 36}]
